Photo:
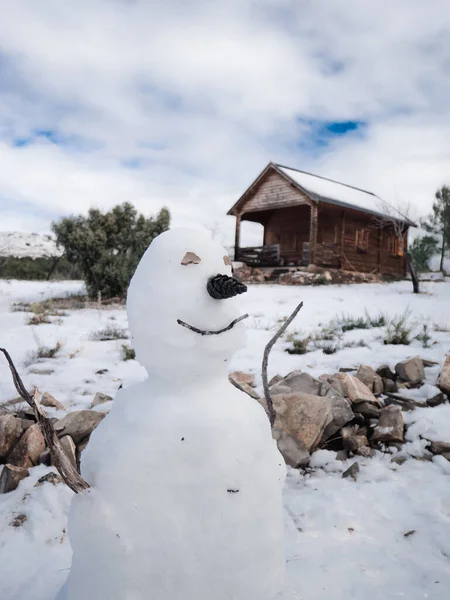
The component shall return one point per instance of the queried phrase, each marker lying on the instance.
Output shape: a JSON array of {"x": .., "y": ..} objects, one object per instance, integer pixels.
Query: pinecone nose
[{"x": 221, "y": 287}]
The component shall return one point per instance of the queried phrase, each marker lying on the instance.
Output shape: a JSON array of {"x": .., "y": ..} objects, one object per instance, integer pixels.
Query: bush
[
  {"x": 398, "y": 330},
  {"x": 110, "y": 332},
  {"x": 43, "y": 352},
  {"x": 128, "y": 353},
  {"x": 299, "y": 345},
  {"x": 42, "y": 268},
  {"x": 424, "y": 337},
  {"x": 422, "y": 250},
  {"x": 107, "y": 247}
]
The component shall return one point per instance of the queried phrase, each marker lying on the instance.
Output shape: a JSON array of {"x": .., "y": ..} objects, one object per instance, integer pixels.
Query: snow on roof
[
  {"x": 34, "y": 245},
  {"x": 337, "y": 193}
]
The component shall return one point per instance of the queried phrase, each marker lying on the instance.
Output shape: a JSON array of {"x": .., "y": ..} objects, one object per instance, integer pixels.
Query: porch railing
[{"x": 262, "y": 256}]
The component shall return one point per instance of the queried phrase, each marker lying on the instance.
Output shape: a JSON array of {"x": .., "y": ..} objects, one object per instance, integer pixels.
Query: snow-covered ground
[
  {"x": 19, "y": 244},
  {"x": 345, "y": 539}
]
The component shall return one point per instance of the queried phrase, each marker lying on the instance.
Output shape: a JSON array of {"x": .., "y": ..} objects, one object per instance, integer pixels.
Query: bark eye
[{"x": 190, "y": 258}]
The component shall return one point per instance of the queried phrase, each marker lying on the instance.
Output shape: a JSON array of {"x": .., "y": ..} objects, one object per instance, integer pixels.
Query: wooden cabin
[{"x": 311, "y": 220}]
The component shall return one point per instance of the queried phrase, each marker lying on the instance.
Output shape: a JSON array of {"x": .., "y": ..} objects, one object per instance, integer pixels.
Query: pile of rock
[
  {"x": 23, "y": 446},
  {"x": 299, "y": 275},
  {"x": 350, "y": 413}
]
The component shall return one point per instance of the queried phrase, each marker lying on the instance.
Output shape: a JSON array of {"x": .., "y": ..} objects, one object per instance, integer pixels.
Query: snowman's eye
[
  {"x": 190, "y": 258},
  {"x": 227, "y": 261}
]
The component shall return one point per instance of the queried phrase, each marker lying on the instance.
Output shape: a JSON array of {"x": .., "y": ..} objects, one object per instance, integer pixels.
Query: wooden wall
[
  {"x": 274, "y": 191},
  {"x": 288, "y": 227},
  {"x": 337, "y": 243}
]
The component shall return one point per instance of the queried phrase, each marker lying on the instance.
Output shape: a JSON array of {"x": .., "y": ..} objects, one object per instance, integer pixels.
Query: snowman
[{"x": 186, "y": 480}]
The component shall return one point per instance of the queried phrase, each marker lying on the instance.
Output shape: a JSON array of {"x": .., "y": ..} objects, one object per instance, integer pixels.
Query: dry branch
[
  {"x": 206, "y": 331},
  {"x": 265, "y": 361},
  {"x": 62, "y": 462}
]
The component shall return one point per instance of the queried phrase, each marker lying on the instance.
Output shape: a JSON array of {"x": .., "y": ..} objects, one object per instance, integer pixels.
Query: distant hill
[{"x": 31, "y": 245}]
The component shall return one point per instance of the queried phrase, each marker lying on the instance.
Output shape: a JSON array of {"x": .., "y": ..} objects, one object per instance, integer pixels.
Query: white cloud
[{"x": 201, "y": 95}]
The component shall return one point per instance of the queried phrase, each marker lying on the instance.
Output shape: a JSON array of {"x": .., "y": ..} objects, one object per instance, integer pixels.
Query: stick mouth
[{"x": 211, "y": 332}]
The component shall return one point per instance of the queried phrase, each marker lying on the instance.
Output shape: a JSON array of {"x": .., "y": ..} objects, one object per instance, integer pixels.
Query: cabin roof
[{"x": 322, "y": 189}]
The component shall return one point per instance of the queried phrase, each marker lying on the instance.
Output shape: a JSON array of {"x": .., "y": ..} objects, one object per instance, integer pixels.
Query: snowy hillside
[
  {"x": 384, "y": 536},
  {"x": 34, "y": 245}
]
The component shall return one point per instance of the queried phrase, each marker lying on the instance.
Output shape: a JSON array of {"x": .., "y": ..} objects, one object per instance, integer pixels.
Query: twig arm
[
  {"x": 265, "y": 362},
  {"x": 62, "y": 462}
]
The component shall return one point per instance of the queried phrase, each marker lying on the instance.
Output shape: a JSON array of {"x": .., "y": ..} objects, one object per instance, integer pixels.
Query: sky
[{"x": 181, "y": 103}]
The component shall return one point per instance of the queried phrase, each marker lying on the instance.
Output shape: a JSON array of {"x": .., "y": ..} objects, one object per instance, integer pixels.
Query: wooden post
[
  {"x": 380, "y": 242},
  {"x": 237, "y": 237},
  {"x": 314, "y": 219},
  {"x": 343, "y": 238}
]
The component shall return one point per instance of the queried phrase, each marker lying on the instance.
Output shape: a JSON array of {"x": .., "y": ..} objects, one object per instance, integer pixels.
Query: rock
[
  {"x": 444, "y": 378},
  {"x": 10, "y": 478},
  {"x": 327, "y": 276},
  {"x": 429, "y": 363},
  {"x": 79, "y": 424},
  {"x": 298, "y": 382},
  {"x": 342, "y": 455},
  {"x": 389, "y": 386},
  {"x": 293, "y": 453},
  {"x": 42, "y": 371},
  {"x": 365, "y": 451},
  {"x": 241, "y": 377},
  {"x": 275, "y": 379},
  {"x": 69, "y": 447},
  {"x": 367, "y": 375},
  {"x": 10, "y": 433},
  {"x": 334, "y": 381},
  {"x": 347, "y": 369},
  {"x": 247, "y": 389},
  {"x": 30, "y": 447},
  {"x": 351, "y": 471},
  {"x": 367, "y": 409},
  {"x": 356, "y": 391},
  {"x": 100, "y": 398},
  {"x": 341, "y": 413},
  {"x": 390, "y": 426},
  {"x": 436, "y": 400},
  {"x": 355, "y": 442},
  {"x": 411, "y": 370},
  {"x": 439, "y": 447},
  {"x": 18, "y": 521},
  {"x": 302, "y": 417},
  {"x": 26, "y": 424},
  {"x": 385, "y": 372},
  {"x": 378, "y": 386},
  {"x": 48, "y": 400},
  {"x": 50, "y": 477},
  {"x": 45, "y": 458}
]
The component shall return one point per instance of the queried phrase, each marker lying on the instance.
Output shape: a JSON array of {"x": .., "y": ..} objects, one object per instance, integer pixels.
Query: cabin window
[
  {"x": 362, "y": 239},
  {"x": 396, "y": 246}
]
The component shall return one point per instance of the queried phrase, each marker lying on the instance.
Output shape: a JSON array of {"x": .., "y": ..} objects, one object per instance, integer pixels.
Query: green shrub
[
  {"x": 399, "y": 330},
  {"x": 110, "y": 332},
  {"x": 42, "y": 352},
  {"x": 128, "y": 353},
  {"x": 424, "y": 337},
  {"x": 299, "y": 345},
  {"x": 107, "y": 247},
  {"x": 42, "y": 268}
]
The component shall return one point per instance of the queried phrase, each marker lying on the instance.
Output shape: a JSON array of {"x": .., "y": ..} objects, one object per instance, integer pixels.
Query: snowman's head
[{"x": 182, "y": 307}]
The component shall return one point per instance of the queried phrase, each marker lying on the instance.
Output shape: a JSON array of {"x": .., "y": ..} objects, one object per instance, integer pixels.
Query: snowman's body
[{"x": 185, "y": 499}]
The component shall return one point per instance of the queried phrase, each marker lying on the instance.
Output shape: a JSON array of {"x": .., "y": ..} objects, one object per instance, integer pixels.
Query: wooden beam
[
  {"x": 343, "y": 239},
  {"x": 237, "y": 237},
  {"x": 380, "y": 242},
  {"x": 314, "y": 222}
]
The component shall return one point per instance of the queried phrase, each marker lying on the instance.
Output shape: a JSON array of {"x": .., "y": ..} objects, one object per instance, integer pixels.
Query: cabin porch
[{"x": 286, "y": 240}]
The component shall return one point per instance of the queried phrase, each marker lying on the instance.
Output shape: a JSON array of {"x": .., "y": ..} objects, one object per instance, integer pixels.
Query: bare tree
[{"x": 398, "y": 219}]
